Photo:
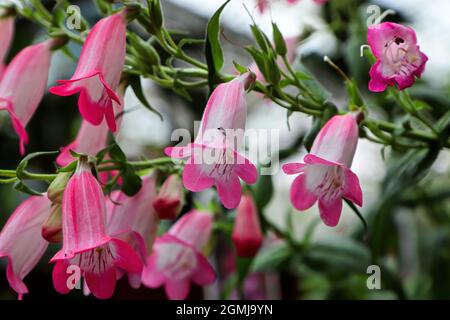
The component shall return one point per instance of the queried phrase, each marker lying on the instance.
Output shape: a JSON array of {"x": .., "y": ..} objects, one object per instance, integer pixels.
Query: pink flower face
[
  {"x": 325, "y": 175},
  {"x": 86, "y": 244},
  {"x": 176, "y": 260},
  {"x": 98, "y": 72},
  {"x": 399, "y": 60},
  {"x": 213, "y": 159}
]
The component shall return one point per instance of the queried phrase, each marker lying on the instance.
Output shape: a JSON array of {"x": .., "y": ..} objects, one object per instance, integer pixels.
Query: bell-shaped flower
[
  {"x": 169, "y": 202},
  {"x": 247, "y": 235},
  {"x": 176, "y": 259},
  {"x": 6, "y": 36},
  {"x": 98, "y": 73},
  {"x": 91, "y": 139},
  {"x": 23, "y": 86},
  {"x": 134, "y": 220},
  {"x": 213, "y": 157},
  {"x": 21, "y": 241},
  {"x": 399, "y": 59},
  {"x": 86, "y": 244},
  {"x": 325, "y": 175}
]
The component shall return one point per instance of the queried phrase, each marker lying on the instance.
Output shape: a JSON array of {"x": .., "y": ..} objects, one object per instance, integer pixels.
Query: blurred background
[{"x": 408, "y": 214}]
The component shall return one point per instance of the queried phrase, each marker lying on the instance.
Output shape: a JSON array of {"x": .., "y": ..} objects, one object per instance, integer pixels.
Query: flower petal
[
  {"x": 102, "y": 285},
  {"x": 177, "y": 289},
  {"x": 229, "y": 191},
  {"x": 293, "y": 168},
  {"x": 330, "y": 211},
  {"x": 352, "y": 188},
  {"x": 301, "y": 197},
  {"x": 204, "y": 274}
]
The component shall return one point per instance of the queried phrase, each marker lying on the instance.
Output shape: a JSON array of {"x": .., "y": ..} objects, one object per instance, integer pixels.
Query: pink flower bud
[
  {"x": 52, "y": 227},
  {"x": 247, "y": 235},
  {"x": 169, "y": 202}
]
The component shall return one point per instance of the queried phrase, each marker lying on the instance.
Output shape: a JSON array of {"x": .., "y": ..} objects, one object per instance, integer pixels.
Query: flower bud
[
  {"x": 247, "y": 235},
  {"x": 52, "y": 227},
  {"x": 169, "y": 202},
  {"x": 56, "y": 189}
]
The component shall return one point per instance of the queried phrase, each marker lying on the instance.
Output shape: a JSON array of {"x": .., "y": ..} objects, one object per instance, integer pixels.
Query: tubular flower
[
  {"x": 213, "y": 157},
  {"x": 176, "y": 259},
  {"x": 325, "y": 175},
  {"x": 98, "y": 73},
  {"x": 86, "y": 244},
  {"x": 169, "y": 202},
  {"x": 247, "y": 235},
  {"x": 21, "y": 241},
  {"x": 6, "y": 36},
  {"x": 134, "y": 220},
  {"x": 23, "y": 86},
  {"x": 91, "y": 139},
  {"x": 399, "y": 59}
]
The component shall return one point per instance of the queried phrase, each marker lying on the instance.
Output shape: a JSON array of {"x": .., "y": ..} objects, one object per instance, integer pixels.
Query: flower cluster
[{"x": 105, "y": 236}]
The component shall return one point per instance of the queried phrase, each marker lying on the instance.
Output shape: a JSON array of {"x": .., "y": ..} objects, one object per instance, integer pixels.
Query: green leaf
[
  {"x": 213, "y": 50},
  {"x": 243, "y": 268},
  {"x": 278, "y": 40},
  {"x": 240, "y": 68},
  {"x": 263, "y": 191},
  {"x": 135, "y": 82},
  {"x": 261, "y": 39},
  {"x": 271, "y": 258},
  {"x": 131, "y": 182}
]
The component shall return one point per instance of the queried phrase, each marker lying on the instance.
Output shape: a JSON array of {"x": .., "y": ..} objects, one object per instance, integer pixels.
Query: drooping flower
[
  {"x": 326, "y": 176},
  {"x": 86, "y": 243},
  {"x": 23, "y": 86},
  {"x": 399, "y": 59},
  {"x": 213, "y": 157},
  {"x": 91, "y": 139},
  {"x": 247, "y": 235},
  {"x": 98, "y": 73},
  {"x": 169, "y": 202},
  {"x": 176, "y": 259},
  {"x": 6, "y": 36},
  {"x": 133, "y": 219},
  {"x": 21, "y": 241}
]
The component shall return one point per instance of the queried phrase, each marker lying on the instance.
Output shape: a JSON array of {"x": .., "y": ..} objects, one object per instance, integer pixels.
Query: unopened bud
[
  {"x": 169, "y": 202},
  {"x": 56, "y": 189},
  {"x": 52, "y": 228}
]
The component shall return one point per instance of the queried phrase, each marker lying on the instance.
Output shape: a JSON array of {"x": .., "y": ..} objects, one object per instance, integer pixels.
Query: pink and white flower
[
  {"x": 98, "y": 73},
  {"x": 325, "y": 175},
  {"x": 23, "y": 86},
  {"x": 176, "y": 260},
  {"x": 399, "y": 59},
  {"x": 86, "y": 243},
  {"x": 213, "y": 158},
  {"x": 133, "y": 219},
  {"x": 21, "y": 241}
]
